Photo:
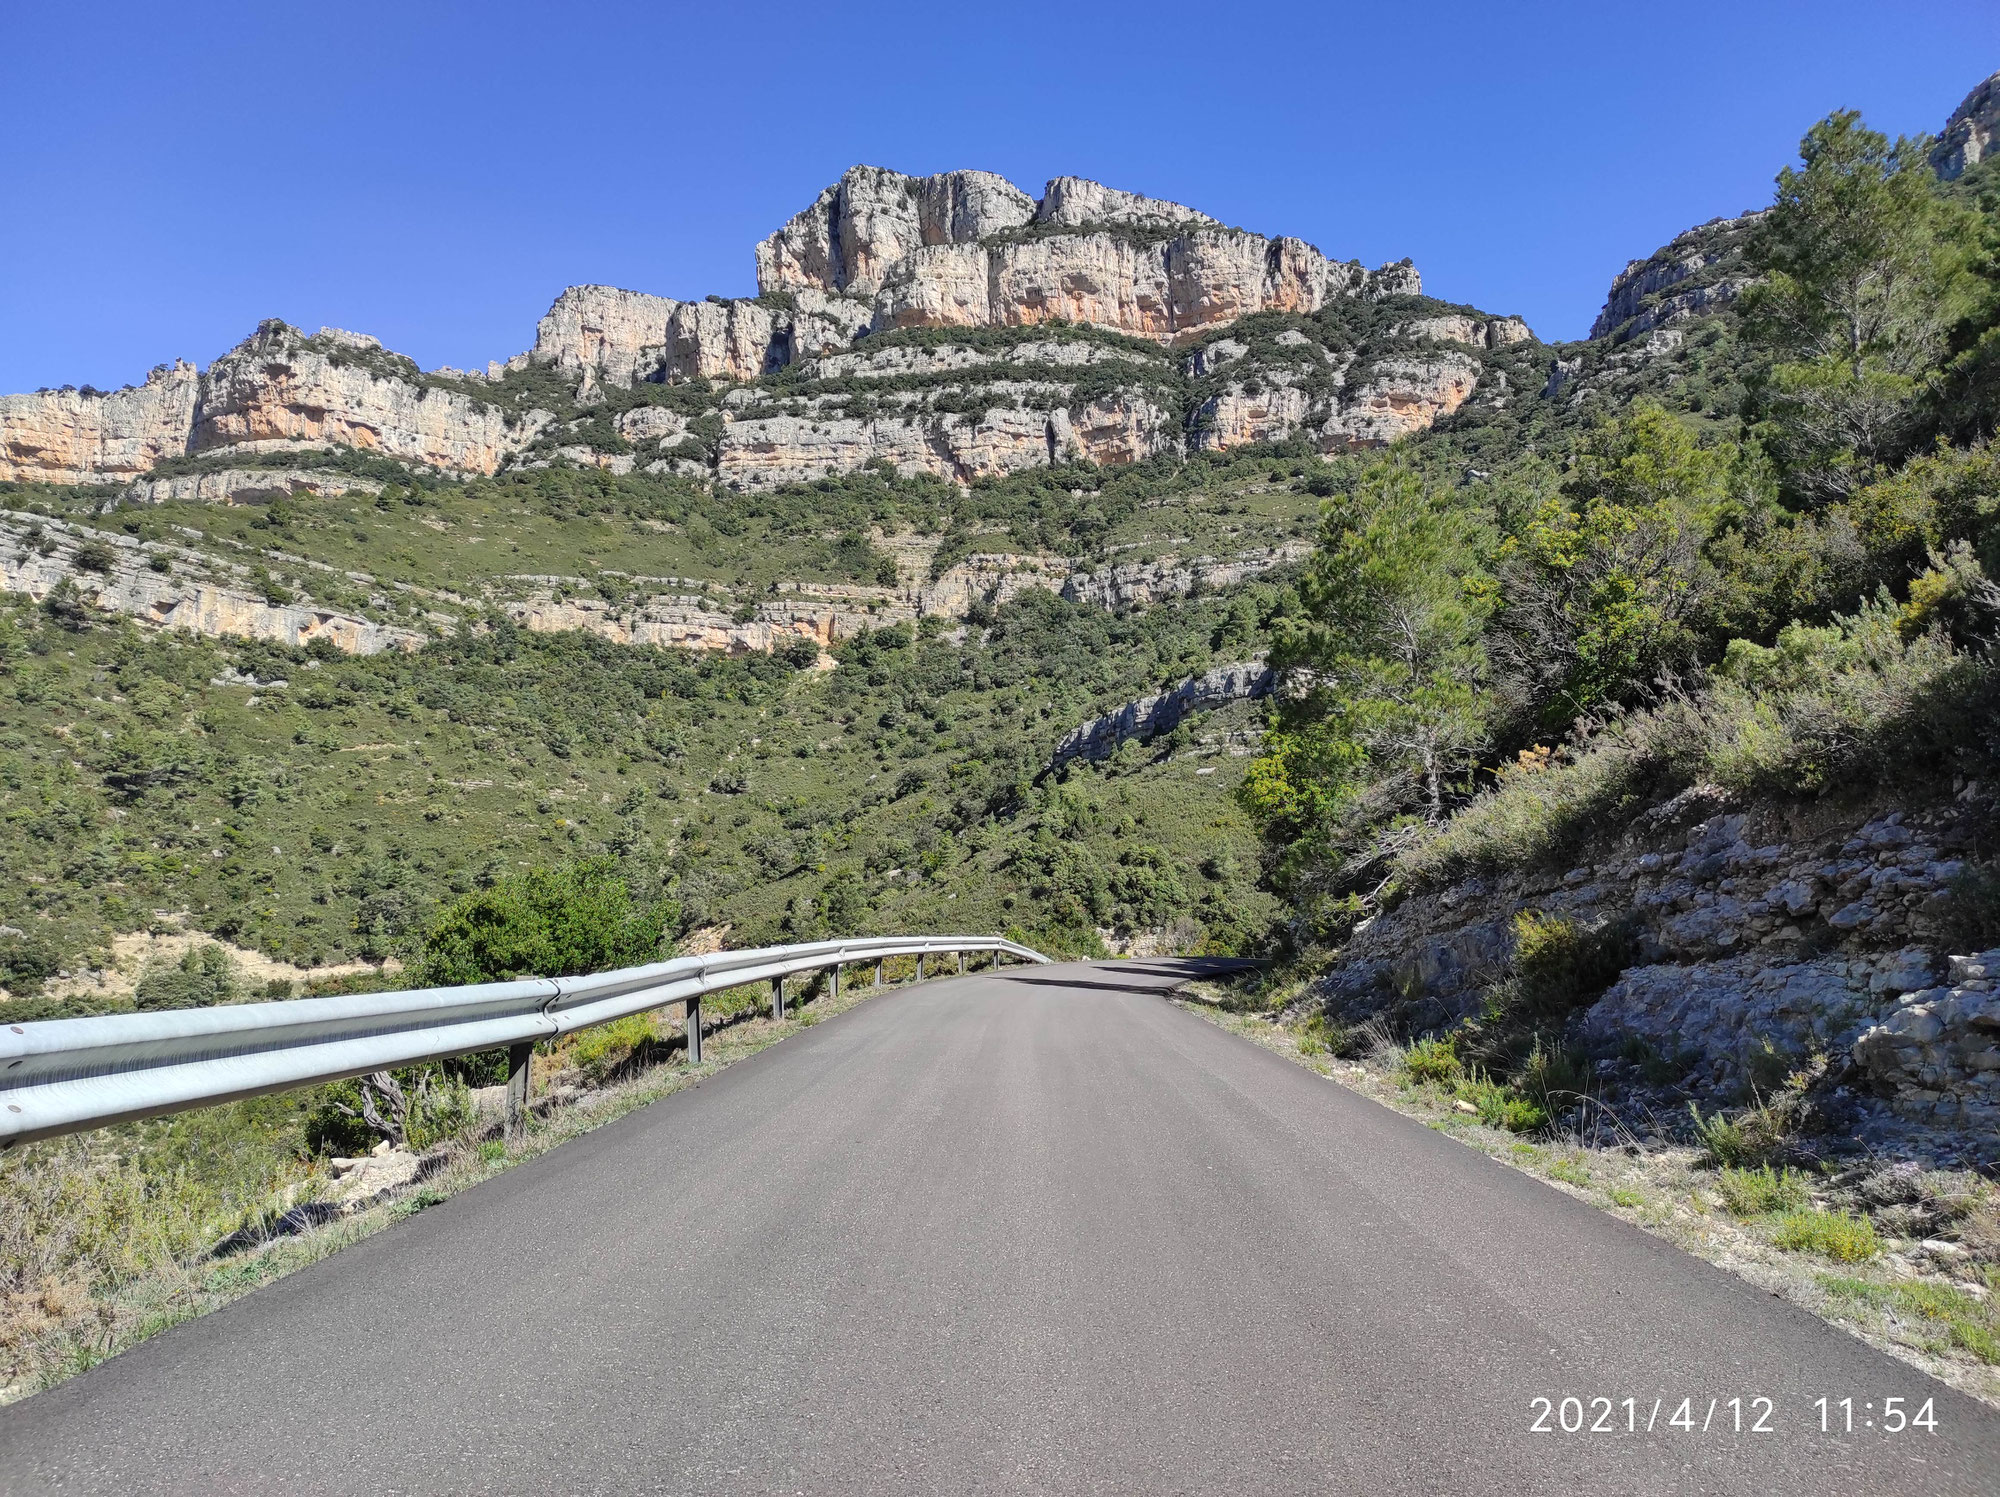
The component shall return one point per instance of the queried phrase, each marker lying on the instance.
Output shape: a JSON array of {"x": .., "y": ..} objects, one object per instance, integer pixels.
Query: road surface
[{"x": 1034, "y": 1231}]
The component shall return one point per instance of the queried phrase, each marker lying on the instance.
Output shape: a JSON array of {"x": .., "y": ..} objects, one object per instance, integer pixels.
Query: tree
[
  {"x": 1384, "y": 673},
  {"x": 1605, "y": 586},
  {"x": 1864, "y": 266},
  {"x": 565, "y": 921}
]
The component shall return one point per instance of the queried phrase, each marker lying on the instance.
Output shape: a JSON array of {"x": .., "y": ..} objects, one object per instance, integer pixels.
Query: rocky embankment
[
  {"x": 1147, "y": 717},
  {"x": 1750, "y": 946}
]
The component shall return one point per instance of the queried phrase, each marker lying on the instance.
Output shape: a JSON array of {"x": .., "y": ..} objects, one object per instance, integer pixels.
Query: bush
[
  {"x": 203, "y": 977},
  {"x": 1323, "y": 1034},
  {"x": 1846, "y": 1239},
  {"x": 1560, "y": 965},
  {"x": 1501, "y": 1106},
  {"x": 600, "y": 1050},
  {"x": 1432, "y": 1060},
  {"x": 565, "y": 921},
  {"x": 1761, "y": 1191},
  {"x": 1971, "y": 917}
]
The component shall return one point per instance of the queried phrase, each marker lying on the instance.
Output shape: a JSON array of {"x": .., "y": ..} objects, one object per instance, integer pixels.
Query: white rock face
[
  {"x": 617, "y": 333},
  {"x": 76, "y": 436},
  {"x": 1075, "y": 201},
  {"x": 762, "y": 451},
  {"x": 872, "y": 218},
  {"x": 1971, "y": 132},
  {"x": 247, "y": 486},
  {"x": 926, "y": 251},
  {"x": 279, "y": 390}
]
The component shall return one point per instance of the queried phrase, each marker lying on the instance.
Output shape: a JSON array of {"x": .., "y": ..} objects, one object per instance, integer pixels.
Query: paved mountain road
[{"x": 1035, "y": 1231}]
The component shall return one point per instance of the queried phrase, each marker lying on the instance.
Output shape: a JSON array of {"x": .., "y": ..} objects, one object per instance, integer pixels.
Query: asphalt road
[{"x": 1038, "y": 1231}]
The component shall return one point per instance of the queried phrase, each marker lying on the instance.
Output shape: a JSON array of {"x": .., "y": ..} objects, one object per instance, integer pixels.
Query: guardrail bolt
[
  {"x": 777, "y": 997},
  {"x": 520, "y": 1059},
  {"x": 692, "y": 1022}
]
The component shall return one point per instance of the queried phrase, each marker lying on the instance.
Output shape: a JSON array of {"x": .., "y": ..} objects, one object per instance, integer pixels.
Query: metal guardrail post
[
  {"x": 692, "y": 1022},
  {"x": 833, "y": 981},
  {"x": 777, "y": 997},
  {"x": 520, "y": 1060},
  {"x": 961, "y": 964},
  {"x": 920, "y": 966},
  {"x": 878, "y": 972}
]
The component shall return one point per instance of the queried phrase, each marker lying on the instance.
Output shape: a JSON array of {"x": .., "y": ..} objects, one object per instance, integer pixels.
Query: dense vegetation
[{"x": 1790, "y": 597}]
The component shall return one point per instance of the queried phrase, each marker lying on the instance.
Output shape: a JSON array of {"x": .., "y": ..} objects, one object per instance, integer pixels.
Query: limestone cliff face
[
  {"x": 1397, "y": 395},
  {"x": 763, "y": 451},
  {"x": 876, "y": 251},
  {"x": 1971, "y": 133},
  {"x": 622, "y": 337},
  {"x": 872, "y": 219},
  {"x": 1695, "y": 273},
  {"x": 87, "y": 436},
  {"x": 1092, "y": 254},
  {"x": 280, "y": 389}
]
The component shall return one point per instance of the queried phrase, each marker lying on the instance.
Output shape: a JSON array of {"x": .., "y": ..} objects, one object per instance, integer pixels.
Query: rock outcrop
[
  {"x": 877, "y": 251},
  {"x": 1971, "y": 132},
  {"x": 1747, "y": 959},
  {"x": 1695, "y": 273},
  {"x": 279, "y": 389},
  {"x": 1147, "y": 717},
  {"x": 967, "y": 249},
  {"x": 622, "y": 337},
  {"x": 1936, "y": 1055},
  {"x": 93, "y": 436},
  {"x": 170, "y": 587}
]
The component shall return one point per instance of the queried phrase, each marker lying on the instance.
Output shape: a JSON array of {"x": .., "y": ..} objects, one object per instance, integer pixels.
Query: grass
[
  {"x": 1431, "y": 1060},
  {"x": 1830, "y": 1234},
  {"x": 1762, "y": 1191},
  {"x": 1970, "y": 1324}
]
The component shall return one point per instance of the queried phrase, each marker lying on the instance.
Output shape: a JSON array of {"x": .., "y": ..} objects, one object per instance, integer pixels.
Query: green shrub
[
  {"x": 1432, "y": 1060},
  {"x": 1761, "y": 1191},
  {"x": 1831, "y": 1234},
  {"x": 603, "y": 1048},
  {"x": 1560, "y": 965},
  {"x": 1753, "y": 1137},
  {"x": 1971, "y": 916},
  {"x": 1501, "y": 1106},
  {"x": 1323, "y": 1034},
  {"x": 203, "y": 977}
]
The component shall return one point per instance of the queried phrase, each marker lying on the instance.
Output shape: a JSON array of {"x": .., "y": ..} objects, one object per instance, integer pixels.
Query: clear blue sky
[{"x": 435, "y": 173}]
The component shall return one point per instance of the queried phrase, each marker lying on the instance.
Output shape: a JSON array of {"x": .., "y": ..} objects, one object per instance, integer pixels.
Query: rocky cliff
[
  {"x": 877, "y": 253},
  {"x": 968, "y": 249},
  {"x": 94, "y": 436},
  {"x": 1971, "y": 132}
]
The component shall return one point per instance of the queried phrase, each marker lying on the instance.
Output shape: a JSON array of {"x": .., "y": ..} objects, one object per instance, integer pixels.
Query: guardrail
[{"x": 67, "y": 1075}]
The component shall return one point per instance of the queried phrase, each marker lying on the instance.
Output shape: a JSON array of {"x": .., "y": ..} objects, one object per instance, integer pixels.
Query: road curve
[{"x": 1034, "y": 1231}]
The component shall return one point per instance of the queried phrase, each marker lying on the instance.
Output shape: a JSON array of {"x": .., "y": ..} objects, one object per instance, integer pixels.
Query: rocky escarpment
[
  {"x": 626, "y": 336},
  {"x": 97, "y": 436},
  {"x": 278, "y": 390},
  {"x": 89, "y": 572},
  {"x": 876, "y": 253},
  {"x": 1748, "y": 950},
  {"x": 1147, "y": 717},
  {"x": 1695, "y": 273},
  {"x": 968, "y": 249},
  {"x": 1971, "y": 133}
]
